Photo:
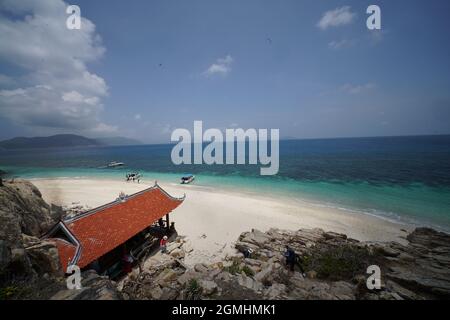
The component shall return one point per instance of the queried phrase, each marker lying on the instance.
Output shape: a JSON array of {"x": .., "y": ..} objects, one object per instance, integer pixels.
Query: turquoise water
[{"x": 405, "y": 179}]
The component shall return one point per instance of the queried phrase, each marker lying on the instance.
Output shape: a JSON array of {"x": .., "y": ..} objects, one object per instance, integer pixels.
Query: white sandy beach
[{"x": 212, "y": 219}]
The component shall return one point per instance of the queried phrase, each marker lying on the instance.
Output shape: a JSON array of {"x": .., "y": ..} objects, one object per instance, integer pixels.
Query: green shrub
[
  {"x": 234, "y": 268},
  {"x": 8, "y": 292},
  {"x": 249, "y": 272},
  {"x": 193, "y": 289},
  {"x": 338, "y": 263}
]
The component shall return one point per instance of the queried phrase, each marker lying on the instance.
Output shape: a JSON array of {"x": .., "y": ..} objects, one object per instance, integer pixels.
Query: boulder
[
  {"x": 276, "y": 291},
  {"x": 402, "y": 292},
  {"x": 158, "y": 260},
  {"x": 156, "y": 292},
  {"x": 256, "y": 237},
  {"x": 224, "y": 276},
  {"x": 185, "y": 278},
  {"x": 209, "y": 287},
  {"x": 177, "y": 253},
  {"x": 187, "y": 247},
  {"x": 252, "y": 262},
  {"x": 200, "y": 267},
  {"x": 249, "y": 283},
  {"x": 169, "y": 293},
  {"x": 171, "y": 246},
  {"x": 5, "y": 255},
  {"x": 21, "y": 204},
  {"x": 342, "y": 290},
  {"x": 93, "y": 287},
  {"x": 264, "y": 275},
  {"x": 167, "y": 275},
  {"x": 45, "y": 258}
]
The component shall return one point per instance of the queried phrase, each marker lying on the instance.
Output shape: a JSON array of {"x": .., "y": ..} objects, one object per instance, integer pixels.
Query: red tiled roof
[
  {"x": 66, "y": 252},
  {"x": 100, "y": 230}
]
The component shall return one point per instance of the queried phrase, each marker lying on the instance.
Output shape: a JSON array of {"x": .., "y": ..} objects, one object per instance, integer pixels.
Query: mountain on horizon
[
  {"x": 63, "y": 140},
  {"x": 118, "y": 141}
]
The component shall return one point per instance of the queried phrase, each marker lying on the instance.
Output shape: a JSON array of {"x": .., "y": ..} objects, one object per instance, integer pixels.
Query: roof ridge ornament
[
  {"x": 168, "y": 194},
  {"x": 122, "y": 197}
]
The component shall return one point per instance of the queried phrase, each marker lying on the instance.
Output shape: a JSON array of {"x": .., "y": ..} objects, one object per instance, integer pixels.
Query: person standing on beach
[{"x": 163, "y": 244}]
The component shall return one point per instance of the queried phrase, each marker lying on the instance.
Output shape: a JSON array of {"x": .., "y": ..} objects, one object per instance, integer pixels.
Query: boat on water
[
  {"x": 133, "y": 176},
  {"x": 187, "y": 178},
  {"x": 115, "y": 164}
]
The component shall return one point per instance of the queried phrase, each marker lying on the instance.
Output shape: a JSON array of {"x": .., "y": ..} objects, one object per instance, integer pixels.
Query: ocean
[{"x": 405, "y": 179}]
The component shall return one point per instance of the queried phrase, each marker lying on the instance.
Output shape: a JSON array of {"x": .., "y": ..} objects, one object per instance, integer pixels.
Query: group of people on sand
[{"x": 133, "y": 177}]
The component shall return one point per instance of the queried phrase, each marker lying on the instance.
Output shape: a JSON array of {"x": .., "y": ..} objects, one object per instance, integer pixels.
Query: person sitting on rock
[
  {"x": 127, "y": 262},
  {"x": 163, "y": 244},
  {"x": 248, "y": 253}
]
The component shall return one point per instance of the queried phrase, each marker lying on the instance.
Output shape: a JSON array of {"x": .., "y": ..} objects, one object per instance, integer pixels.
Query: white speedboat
[
  {"x": 187, "y": 178},
  {"x": 115, "y": 164}
]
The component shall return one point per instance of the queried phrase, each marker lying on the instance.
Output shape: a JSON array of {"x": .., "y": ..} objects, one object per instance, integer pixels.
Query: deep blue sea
[{"x": 400, "y": 178}]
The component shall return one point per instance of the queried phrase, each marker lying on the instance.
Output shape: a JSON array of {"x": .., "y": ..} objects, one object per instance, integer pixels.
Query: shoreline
[
  {"x": 301, "y": 200},
  {"x": 415, "y": 204},
  {"x": 212, "y": 219}
]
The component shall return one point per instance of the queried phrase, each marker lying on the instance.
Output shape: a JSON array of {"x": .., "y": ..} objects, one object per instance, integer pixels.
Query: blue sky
[{"x": 143, "y": 69}]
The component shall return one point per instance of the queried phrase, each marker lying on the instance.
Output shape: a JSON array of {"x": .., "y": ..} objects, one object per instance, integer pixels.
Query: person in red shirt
[
  {"x": 163, "y": 244},
  {"x": 127, "y": 262}
]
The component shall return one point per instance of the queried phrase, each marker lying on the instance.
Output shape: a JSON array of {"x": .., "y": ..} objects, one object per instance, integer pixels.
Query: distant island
[
  {"x": 118, "y": 141},
  {"x": 64, "y": 140}
]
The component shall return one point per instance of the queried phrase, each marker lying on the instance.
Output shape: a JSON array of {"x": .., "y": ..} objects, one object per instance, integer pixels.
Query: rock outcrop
[
  {"x": 30, "y": 267},
  {"x": 24, "y": 216},
  {"x": 330, "y": 265},
  {"x": 334, "y": 267},
  {"x": 93, "y": 287}
]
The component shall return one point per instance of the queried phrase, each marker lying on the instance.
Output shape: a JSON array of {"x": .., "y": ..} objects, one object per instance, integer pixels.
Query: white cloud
[
  {"x": 337, "y": 17},
  {"x": 377, "y": 36},
  {"x": 78, "y": 98},
  {"x": 5, "y": 80},
  {"x": 222, "y": 66},
  {"x": 73, "y": 96},
  {"x": 357, "y": 89},
  {"x": 104, "y": 128},
  {"x": 57, "y": 91},
  {"x": 137, "y": 116},
  {"x": 338, "y": 44},
  {"x": 12, "y": 93},
  {"x": 166, "y": 129}
]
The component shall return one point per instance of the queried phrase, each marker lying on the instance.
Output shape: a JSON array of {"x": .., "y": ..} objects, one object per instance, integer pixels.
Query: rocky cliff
[
  {"x": 29, "y": 267},
  {"x": 334, "y": 266}
]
